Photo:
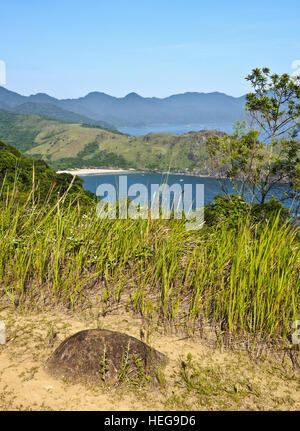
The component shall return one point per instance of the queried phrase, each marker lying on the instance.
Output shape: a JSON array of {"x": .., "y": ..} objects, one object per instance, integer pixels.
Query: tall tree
[{"x": 274, "y": 107}]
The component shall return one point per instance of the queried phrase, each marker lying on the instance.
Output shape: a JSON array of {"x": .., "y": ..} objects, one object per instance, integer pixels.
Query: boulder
[{"x": 100, "y": 355}]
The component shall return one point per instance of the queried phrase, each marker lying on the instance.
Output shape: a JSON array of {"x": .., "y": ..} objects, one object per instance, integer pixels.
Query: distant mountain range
[
  {"x": 102, "y": 110},
  {"x": 45, "y": 105}
]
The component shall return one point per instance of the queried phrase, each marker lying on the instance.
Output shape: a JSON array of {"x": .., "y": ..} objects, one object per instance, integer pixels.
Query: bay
[
  {"x": 212, "y": 186},
  {"x": 177, "y": 129}
]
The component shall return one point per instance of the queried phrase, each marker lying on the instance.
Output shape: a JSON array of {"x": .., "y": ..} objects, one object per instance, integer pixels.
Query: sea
[
  {"x": 177, "y": 129},
  {"x": 212, "y": 186}
]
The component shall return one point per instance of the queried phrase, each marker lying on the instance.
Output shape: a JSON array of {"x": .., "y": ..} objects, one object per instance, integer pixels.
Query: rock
[
  {"x": 2, "y": 333},
  {"x": 97, "y": 355}
]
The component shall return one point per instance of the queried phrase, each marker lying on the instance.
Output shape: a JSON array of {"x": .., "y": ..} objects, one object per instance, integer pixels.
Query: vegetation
[
  {"x": 242, "y": 280},
  {"x": 233, "y": 209},
  {"x": 64, "y": 145},
  {"x": 257, "y": 167},
  {"x": 238, "y": 275},
  {"x": 275, "y": 103},
  {"x": 52, "y": 111},
  {"x": 31, "y": 179}
]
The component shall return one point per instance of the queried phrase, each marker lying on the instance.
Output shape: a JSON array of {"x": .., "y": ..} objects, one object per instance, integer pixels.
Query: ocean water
[
  {"x": 178, "y": 129},
  {"x": 212, "y": 186}
]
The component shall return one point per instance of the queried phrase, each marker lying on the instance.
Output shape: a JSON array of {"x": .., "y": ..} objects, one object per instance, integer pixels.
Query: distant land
[
  {"x": 133, "y": 110},
  {"x": 83, "y": 133},
  {"x": 72, "y": 145}
]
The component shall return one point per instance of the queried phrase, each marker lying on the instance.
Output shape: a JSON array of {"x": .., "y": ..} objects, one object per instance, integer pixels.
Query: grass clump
[{"x": 243, "y": 281}]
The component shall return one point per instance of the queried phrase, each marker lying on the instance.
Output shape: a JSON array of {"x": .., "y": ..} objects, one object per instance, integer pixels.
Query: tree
[
  {"x": 275, "y": 103},
  {"x": 275, "y": 107},
  {"x": 238, "y": 157},
  {"x": 259, "y": 166}
]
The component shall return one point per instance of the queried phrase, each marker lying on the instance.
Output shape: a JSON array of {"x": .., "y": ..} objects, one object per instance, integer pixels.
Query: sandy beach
[
  {"x": 99, "y": 171},
  {"x": 95, "y": 171}
]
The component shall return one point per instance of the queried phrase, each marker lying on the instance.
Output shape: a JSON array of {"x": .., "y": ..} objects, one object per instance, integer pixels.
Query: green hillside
[
  {"x": 53, "y": 111},
  {"x": 70, "y": 145},
  {"x": 22, "y": 174}
]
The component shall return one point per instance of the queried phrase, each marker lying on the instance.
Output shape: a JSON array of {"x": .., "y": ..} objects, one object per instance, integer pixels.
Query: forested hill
[
  {"x": 24, "y": 174},
  {"x": 72, "y": 145}
]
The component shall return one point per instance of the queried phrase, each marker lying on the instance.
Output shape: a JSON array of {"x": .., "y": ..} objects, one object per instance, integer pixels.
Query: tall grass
[{"x": 243, "y": 280}]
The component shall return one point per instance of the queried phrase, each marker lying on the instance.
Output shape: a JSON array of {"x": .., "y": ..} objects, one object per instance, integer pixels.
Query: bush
[
  {"x": 227, "y": 209},
  {"x": 269, "y": 210},
  {"x": 231, "y": 209}
]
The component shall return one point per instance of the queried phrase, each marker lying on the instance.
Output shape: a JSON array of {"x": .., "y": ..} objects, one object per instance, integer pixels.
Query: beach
[
  {"x": 99, "y": 171},
  {"x": 95, "y": 171}
]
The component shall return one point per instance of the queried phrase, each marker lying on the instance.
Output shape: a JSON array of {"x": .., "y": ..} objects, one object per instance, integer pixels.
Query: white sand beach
[{"x": 95, "y": 171}]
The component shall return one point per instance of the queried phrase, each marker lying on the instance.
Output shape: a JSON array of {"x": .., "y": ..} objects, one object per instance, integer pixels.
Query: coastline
[
  {"x": 103, "y": 171},
  {"x": 95, "y": 171}
]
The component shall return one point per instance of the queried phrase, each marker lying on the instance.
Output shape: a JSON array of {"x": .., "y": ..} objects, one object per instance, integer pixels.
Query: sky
[{"x": 68, "y": 48}]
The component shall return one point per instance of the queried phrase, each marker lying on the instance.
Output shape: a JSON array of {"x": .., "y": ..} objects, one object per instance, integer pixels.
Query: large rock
[{"x": 97, "y": 355}]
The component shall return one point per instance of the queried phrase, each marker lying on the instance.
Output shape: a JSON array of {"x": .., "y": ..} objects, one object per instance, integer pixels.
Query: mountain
[
  {"x": 134, "y": 110},
  {"x": 42, "y": 104},
  {"x": 70, "y": 145},
  {"x": 10, "y": 98},
  {"x": 54, "y": 111}
]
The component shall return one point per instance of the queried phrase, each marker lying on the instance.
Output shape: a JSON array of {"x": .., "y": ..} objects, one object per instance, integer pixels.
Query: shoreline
[
  {"x": 95, "y": 171},
  {"x": 103, "y": 171}
]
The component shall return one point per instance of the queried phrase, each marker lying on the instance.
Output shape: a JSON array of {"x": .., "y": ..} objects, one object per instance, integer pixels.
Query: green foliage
[
  {"x": 89, "y": 148},
  {"x": 240, "y": 157},
  {"x": 232, "y": 210},
  {"x": 275, "y": 107},
  {"x": 91, "y": 156},
  {"x": 104, "y": 126},
  {"x": 238, "y": 278},
  {"x": 275, "y": 102},
  {"x": 104, "y": 368},
  {"x": 22, "y": 136},
  {"x": 23, "y": 175},
  {"x": 251, "y": 166},
  {"x": 269, "y": 211},
  {"x": 64, "y": 145},
  {"x": 226, "y": 209},
  {"x": 100, "y": 159},
  {"x": 125, "y": 363},
  {"x": 54, "y": 112}
]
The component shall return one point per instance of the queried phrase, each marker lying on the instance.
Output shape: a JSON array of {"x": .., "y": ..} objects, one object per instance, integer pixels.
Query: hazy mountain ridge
[
  {"x": 42, "y": 104},
  {"x": 135, "y": 110}
]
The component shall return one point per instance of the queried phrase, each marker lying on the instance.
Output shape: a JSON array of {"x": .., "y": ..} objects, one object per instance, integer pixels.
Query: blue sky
[{"x": 68, "y": 48}]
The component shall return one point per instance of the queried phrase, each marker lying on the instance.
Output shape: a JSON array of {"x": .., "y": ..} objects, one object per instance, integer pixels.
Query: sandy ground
[
  {"x": 95, "y": 171},
  {"x": 231, "y": 380}
]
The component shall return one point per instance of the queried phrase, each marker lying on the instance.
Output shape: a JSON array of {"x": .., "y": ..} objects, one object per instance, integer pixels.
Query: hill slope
[
  {"x": 42, "y": 104},
  {"x": 67, "y": 145},
  {"x": 53, "y": 111},
  {"x": 16, "y": 170}
]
